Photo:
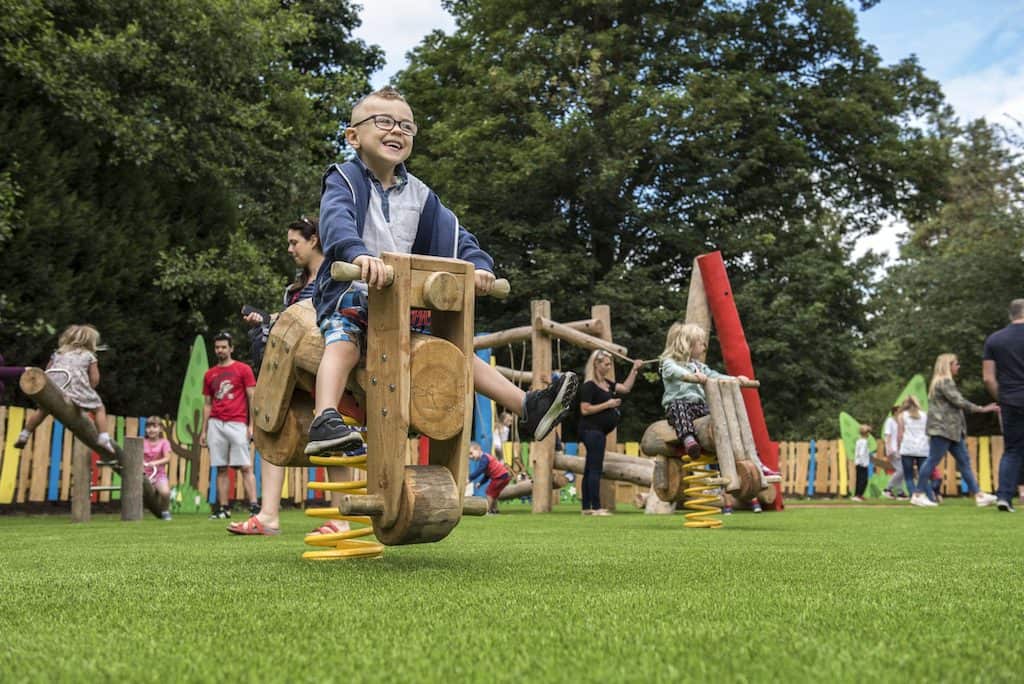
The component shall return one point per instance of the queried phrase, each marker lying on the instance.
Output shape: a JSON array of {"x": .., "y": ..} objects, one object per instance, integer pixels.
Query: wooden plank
[
  {"x": 821, "y": 469},
  {"x": 698, "y": 311},
  {"x": 11, "y": 457},
  {"x": 56, "y": 447},
  {"x": 603, "y": 313},
  {"x": 984, "y": 470},
  {"x": 204, "y": 473},
  {"x": 803, "y": 455},
  {"x": 542, "y": 454},
  {"x": 972, "y": 455},
  {"x": 81, "y": 479},
  {"x": 40, "y": 461},
  {"x": 65, "y": 466},
  {"x": 387, "y": 414},
  {"x": 24, "y": 470},
  {"x": 950, "y": 481}
]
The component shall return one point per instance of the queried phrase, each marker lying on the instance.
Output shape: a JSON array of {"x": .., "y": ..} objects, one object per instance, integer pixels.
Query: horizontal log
[
  {"x": 660, "y": 438},
  {"x": 616, "y": 467},
  {"x": 341, "y": 270},
  {"x": 591, "y": 326},
  {"x": 742, "y": 383},
  {"x": 518, "y": 377},
  {"x": 580, "y": 339},
  {"x": 523, "y": 488}
]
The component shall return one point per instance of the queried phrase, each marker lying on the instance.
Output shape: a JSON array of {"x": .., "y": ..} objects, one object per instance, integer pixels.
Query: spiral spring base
[
  {"x": 348, "y": 544},
  {"x": 702, "y": 500}
]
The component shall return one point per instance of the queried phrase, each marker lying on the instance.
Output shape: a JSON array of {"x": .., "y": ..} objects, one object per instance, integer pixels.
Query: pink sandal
[{"x": 253, "y": 526}]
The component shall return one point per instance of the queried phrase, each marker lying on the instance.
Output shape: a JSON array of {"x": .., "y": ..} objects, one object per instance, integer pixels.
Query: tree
[
  {"x": 959, "y": 269},
  {"x": 151, "y": 153},
  {"x": 596, "y": 147}
]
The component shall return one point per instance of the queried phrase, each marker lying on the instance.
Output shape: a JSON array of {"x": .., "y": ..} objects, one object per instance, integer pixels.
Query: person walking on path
[
  {"x": 1002, "y": 369},
  {"x": 599, "y": 415},
  {"x": 891, "y": 440},
  {"x": 947, "y": 430},
  {"x": 227, "y": 425}
]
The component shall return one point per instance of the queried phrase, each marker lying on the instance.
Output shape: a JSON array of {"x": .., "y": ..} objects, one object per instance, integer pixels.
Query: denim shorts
[{"x": 348, "y": 321}]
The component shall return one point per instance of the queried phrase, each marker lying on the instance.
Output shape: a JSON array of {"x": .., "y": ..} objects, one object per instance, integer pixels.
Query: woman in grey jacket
[{"x": 947, "y": 430}]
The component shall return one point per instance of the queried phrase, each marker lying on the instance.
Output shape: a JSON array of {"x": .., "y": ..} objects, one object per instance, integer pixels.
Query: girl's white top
[{"x": 915, "y": 439}]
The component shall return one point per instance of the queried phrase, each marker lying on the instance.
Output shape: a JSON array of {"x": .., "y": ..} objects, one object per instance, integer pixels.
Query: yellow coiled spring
[
  {"x": 701, "y": 499},
  {"x": 342, "y": 544}
]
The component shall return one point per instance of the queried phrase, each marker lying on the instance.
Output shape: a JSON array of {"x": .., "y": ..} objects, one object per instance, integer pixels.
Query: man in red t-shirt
[{"x": 227, "y": 426}]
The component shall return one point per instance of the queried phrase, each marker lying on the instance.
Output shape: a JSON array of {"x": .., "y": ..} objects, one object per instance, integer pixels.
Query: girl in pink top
[{"x": 156, "y": 454}]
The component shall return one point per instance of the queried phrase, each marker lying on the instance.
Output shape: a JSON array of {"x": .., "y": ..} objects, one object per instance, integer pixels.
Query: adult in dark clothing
[
  {"x": 599, "y": 415},
  {"x": 1002, "y": 369}
]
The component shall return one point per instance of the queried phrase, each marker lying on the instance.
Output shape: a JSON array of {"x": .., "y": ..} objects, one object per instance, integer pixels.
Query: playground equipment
[
  {"x": 136, "y": 490},
  {"x": 412, "y": 383}
]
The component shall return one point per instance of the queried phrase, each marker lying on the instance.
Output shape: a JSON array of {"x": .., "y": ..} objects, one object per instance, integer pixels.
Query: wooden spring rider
[
  {"x": 412, "y": 383},
  {"x": 726, "y": 438}
]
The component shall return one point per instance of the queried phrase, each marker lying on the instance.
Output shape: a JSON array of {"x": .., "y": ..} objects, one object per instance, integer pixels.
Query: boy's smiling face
[{"x": 380, "y": 150}]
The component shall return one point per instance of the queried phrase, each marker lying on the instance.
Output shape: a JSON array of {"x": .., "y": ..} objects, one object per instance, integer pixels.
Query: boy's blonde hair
[
  {"x": 157, "y": 421},
  {"x": 912, "y": 406},
  {"x": 943, "y": 371},
  {"x": 79, "y": 337},
  {"x": 681, "y": 340},
  {"x": 385, "y": 93}
]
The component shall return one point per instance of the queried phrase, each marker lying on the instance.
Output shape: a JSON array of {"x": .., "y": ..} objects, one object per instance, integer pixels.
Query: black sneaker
[
  {"x": 254, "y": 509},
  {"x": 1005, "y": 506},
  {"x": 546, "y": 408},
  {"x": 329, "y": 433},
  {"x": 220, "y": 514}
]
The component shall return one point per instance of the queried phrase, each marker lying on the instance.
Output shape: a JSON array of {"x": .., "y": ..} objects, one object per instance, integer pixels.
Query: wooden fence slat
[
  {"x": 11, "y": 456},
  {"x": 106, "y": 473},
  {"x": 984, "y": 470},
  {"x": 803, "y": 464},
  {"x": 996, "y": 447},
  {"x": 40, "y": 461},
  {"x": 53, "y": 477},
  {"x": 65, "y": 466},
  {"x": 25, "y": 470}
]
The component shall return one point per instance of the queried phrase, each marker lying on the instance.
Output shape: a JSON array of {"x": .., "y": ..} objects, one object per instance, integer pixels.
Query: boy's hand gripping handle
[{"x": 342, "y": 270}]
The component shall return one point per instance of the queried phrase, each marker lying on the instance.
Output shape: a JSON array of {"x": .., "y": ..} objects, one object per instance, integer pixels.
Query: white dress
[{"x": 70, "y": 372}]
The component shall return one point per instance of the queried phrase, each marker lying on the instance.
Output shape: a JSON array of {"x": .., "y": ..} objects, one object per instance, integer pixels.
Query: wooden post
[
  {"x": 542, "y": 453},
  {"x": 697, "y": 310},
  {"x": 131, "y": 479},
  {"x": 603, "y": 313},
  {"x": 81, "y": 477}
]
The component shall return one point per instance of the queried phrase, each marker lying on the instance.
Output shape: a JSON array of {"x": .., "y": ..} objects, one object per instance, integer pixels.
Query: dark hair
[
  {"x": 309, "y": 228},
  {"x": 223, "y": 336}
]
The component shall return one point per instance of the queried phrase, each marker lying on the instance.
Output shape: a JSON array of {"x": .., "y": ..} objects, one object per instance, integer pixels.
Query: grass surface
[{"x": 859, "y": 593}]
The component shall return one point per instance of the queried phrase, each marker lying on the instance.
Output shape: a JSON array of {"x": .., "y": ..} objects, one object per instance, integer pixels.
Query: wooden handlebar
[{"x": 342, "y": 270}]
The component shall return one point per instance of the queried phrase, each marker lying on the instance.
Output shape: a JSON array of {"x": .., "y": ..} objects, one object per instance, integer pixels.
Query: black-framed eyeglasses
[{"x": 386, "y": 122}]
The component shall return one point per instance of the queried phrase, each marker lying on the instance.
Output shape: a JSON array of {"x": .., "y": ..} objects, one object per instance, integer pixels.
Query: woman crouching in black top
[{"x": 599, "y": 415}]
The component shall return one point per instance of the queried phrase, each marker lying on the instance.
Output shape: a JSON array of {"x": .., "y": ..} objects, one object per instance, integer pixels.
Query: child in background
[
  {"x": 483, "y": 467},
  {"x": 861, "y": 460},
  {"x": 156, "y": 454},
  {"x": 685, "y": 401},
  {"x": 74, "y": 369}
]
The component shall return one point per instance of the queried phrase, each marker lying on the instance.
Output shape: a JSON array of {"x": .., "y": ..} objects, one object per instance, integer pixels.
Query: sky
[{"x": 975, "y": 50}]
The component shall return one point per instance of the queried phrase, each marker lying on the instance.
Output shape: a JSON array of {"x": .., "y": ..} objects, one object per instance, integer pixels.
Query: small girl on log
[
  {"x": 684, "y": 401},
  {"x": 156, "y": 454},
  {"x": 74, "y": 369}
]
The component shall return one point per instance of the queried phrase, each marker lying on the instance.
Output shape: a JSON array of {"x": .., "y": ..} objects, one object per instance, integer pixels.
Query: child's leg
[
  {"x": 332, "y": 375},
  {"x": 34, "y": 420},
  {"x": 493, "y": 385},
  {"x": 222, "y": 486},
  {"x": 540, "y": 410}
]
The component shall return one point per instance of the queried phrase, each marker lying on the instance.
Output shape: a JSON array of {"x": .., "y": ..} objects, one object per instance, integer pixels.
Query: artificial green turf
[{"x": 847, "y": 594}]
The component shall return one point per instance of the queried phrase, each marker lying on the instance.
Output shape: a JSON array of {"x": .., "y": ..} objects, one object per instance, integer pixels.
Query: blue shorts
[{"x": 348, "y": 321}]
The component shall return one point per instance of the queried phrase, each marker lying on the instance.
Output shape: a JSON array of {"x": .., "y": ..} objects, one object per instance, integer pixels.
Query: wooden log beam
[
  {"x": 344, "y": 271},
  {"x": 617, "y": 467},
  {"x": 542, "y": 453},
  {"x": 38, "y": 387},
  {"x": 518, "y": 377},
  {"x": 580, "y": 339},
  {"x": 131, "y": 479},
  {"x": 589, "y": 326},
  {"x": 523, "y": 488},
  {"x": 81, "y": 509},
  {"x": 660, "y": 438}
]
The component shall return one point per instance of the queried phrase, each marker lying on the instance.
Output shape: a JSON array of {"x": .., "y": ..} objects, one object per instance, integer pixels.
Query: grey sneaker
[
  {"x": 546, "y": 408},
  {"x": 329, "y": 433},
  {"x": 1005, "y": 506}
]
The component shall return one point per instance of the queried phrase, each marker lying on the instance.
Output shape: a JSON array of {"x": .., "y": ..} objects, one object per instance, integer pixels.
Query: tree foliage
[
  {"x": 597, "y": 147},
  {"x": 150, "y": 154}
]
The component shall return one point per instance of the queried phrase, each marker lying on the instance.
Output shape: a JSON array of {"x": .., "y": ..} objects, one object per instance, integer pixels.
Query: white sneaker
[
  {"x": 983, "y": 499},
  {"x": 921, "y": 500},
  {"x": 856, "y": 498}
]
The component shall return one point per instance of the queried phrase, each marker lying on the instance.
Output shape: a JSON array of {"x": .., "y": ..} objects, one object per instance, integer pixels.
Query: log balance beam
[{"x": 136, "y": 490}]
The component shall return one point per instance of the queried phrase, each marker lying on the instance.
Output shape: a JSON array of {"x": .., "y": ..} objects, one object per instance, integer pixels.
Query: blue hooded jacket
[{"x": 344, "y": 199}]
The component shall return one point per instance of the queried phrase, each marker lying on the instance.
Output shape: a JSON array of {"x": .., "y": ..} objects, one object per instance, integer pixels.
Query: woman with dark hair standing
[
  {"x": 599, "y": 415},
  {"x": 947, "y": 430},
  {"x": 304, "y": 248}
]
